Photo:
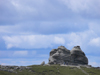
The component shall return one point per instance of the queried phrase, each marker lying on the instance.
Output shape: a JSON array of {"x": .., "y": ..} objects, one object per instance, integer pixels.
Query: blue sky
[{"x": 30, "y": 29}]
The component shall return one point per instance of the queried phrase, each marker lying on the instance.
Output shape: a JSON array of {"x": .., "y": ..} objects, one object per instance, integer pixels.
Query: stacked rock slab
[{"x": 61, "y": 55}]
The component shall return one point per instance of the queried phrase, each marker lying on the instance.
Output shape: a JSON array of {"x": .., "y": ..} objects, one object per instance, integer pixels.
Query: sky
[{"x": 30, "y": 29}]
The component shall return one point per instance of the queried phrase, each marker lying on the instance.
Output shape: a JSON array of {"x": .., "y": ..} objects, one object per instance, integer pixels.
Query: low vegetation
[{"x": 53, "y": 70}]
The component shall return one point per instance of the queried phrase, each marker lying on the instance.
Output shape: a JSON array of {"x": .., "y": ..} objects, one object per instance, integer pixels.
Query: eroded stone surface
[{"x": 61, "y": 55}]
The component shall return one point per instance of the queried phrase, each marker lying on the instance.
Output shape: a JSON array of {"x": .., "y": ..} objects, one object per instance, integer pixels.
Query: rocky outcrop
[{"x": 62, "y": 55}]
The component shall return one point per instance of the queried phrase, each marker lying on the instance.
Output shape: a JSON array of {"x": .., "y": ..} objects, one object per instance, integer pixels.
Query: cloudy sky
[{"x": 29, "y": 29}]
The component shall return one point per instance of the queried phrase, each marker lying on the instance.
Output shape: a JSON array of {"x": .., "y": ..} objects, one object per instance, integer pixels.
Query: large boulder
[
  {"x": 59, "y": 55},
  {"x": 78, "y": 56}
]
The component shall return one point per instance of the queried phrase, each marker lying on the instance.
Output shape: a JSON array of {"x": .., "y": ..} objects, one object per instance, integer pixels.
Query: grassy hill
[{"x": 54, "y": 70}]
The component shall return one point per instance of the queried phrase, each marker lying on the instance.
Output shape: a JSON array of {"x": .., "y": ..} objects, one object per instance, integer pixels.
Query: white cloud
[
  {"x": 75, "y": 39},
  {"x": 95, "y": 42},
  {"x": 83, "y": 5},
  {"x": 48, "y": 41},
  {"x": 43, "y": 55},
  {"x": 3, "y": 63},
  {"x": 20, "y": 53},
  {"x": 84, "y": 39},
  {"x": 77, "y": 5},
  {"x": 19, "y": 41},
  {"x": 33, "y": 52},
  {"x": 17, "y": 29},
  {"x": 23, "y": 8},
  {"x": 94, "y": 60},
  {"x": 94, "y": 64},
  {"x": 95, "y": 26},
  {"x": 59, "y": 40},
  {"x": 32, "y": 41}
]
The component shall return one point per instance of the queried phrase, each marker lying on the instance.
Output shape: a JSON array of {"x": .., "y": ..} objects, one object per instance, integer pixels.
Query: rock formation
[
  {"x": 61, "y": 55},
  {"x": 78, "y": 56}
]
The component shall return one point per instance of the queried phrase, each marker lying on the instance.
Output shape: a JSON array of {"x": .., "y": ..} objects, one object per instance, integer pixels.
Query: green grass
[
  {"x": 53, "y": 70},
  {"x": 92, "y": 71}
]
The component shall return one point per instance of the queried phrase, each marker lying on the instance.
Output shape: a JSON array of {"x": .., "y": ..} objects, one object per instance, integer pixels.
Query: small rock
[{"x": 43, "y": 63}]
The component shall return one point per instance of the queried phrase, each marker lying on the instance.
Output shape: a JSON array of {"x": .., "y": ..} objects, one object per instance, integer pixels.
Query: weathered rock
[
  {"x": 43, "y": 63},
  {"x": 78, "y": 56},
  {"x": 61, "y": 55}
]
